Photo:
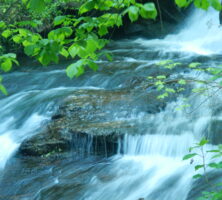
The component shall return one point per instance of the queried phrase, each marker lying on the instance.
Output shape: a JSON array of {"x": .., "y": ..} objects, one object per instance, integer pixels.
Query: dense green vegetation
[{"x": 79, "y": 29}]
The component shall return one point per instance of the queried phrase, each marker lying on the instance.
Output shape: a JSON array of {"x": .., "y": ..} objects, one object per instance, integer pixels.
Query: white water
[
  {"x": 153, "y": 162},
  {"x": 201, "y": 35}
]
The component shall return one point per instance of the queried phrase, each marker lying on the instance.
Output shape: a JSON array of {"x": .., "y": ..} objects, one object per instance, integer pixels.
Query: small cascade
[{"x": 200, "y": 35}]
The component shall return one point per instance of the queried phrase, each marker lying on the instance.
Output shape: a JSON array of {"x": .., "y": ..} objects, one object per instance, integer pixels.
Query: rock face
[{"x": 93, "y": 121}]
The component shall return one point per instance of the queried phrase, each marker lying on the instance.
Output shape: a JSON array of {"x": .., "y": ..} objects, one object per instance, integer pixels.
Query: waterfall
[
  {"x": 201, "y": 35},
  {"x": 148, "y": 165}
]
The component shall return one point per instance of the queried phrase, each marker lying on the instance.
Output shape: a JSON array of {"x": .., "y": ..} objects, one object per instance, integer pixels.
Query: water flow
[
  {"x": 148, "y": 166},
  {"x": 200, "y": 35}
]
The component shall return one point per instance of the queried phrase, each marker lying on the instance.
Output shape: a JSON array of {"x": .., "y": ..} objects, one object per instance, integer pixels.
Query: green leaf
[
  {"x": 37, "y": 5},
  {"x": 171, "y": 90},
  {"x": 161, "y": 77},
  {"x": 32, "y": 50},
  {"x": 6, "y": 33},
  {"x": 64, "y": 52},
  {"x": 198, "y": 167},
  {"x": 215, "y": 165},
  {"x": 197, "y": 176},
  {"x": 164, "y": 62},
  {"x": 148, "y": 11},
  {"x": 75, "y": 69},
  {"x": 91, "y": 45},
  {"x": 92, "y": 65},
  {"x": 213, "y": 151},
  {"x": 204, "y": 4},
  {"x": 10, "y": 55},
  {"x": 102, "y": 30},
  {"x": 17, "y": 39},
  {"x": 203, "y": 142},
  {"x": 108, "y": 56},
  {"x": 59, "y": 20},
  {"x": 60, "y": 34},
  {"x": 6, "y": 65},
  {"x": 188, "y": 156},
  {"x": 162, "y": 96},
  {"x": 182, "y": 82},
  {"x": 3, "y": 89},
  {"x": 89, "y": 5},
  {"x": 194, "y": 65},
  {"x": 182, "y": 3},
  {"x": 215, "y": 4},
  {"x": 2, "y": 24},
  {"x": 133, "y": 13},
  {"x": 73, "y": 50}
]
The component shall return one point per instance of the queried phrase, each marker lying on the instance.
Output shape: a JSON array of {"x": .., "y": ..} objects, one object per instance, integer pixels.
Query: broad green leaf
[
  {"x": 102, "y": 30},
  {"x": 73, "y": 50},
  {"x": 148, "y": 11},
  {"x": 10, "y": 55},
  {"x": 91, "y": 45},
  {"x": 204, "y": 4},
  {"x": 17, "y": 39},
  {"x": 44, "y": 58},
  {"x": 75, "y": 69},
  {"x": 32, "y": 50},
  {"x": 37, "y": 5},
  {"x": 215, "y": 4},
  {"x": 133, "y": 13},
  {"x": 183, "y": 3},
  {"x": 215, "y": 165},
  {"x": 59, "y": 20},
  {"x": 203, "y": 142},
  {"x": 6, "y": 65},
  {"x": 64, "y": 52},
  {"x": 7, "y": 33},
  {"x": 2, "y": 24},
  {"x": 89, "y": 5},
  {"x": 188, "y": 156}
]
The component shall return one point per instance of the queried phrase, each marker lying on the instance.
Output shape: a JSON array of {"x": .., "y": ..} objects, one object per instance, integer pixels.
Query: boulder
[{"x": 93, "y": 122}]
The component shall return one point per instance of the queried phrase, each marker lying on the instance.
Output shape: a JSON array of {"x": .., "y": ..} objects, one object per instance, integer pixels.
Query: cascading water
[
  {"x": 201, "y": 35},
  {"x": 147, "y": 166}
]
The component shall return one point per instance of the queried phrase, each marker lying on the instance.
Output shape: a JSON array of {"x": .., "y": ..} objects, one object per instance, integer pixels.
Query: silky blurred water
[{"x": 147, "y": 166}]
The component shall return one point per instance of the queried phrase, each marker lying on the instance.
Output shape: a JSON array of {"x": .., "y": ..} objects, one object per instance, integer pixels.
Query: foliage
[
  {"x": 174, "y": 85},
  {"x": 203, "y": 4},
  {"x": 199, "y": 151},
  {"x": 45, "y": 31}
]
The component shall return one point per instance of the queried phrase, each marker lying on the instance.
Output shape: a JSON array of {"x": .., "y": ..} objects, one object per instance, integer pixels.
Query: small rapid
[{"x": 201, "y": 35}]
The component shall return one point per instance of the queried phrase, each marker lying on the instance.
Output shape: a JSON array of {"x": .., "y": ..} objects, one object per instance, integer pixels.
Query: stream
[{"x": 147, "y": 166}]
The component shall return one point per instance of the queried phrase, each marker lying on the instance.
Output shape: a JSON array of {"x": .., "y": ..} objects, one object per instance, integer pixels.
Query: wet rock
[
  {"x": 93, "y": 122},
  {"x": 215, "y": 131},
  {"x": 202, "y": 185}
]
